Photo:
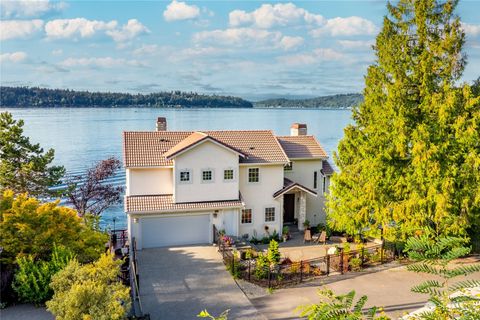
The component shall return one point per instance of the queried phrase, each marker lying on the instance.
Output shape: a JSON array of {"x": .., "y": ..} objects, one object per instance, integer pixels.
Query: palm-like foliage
[
  {"x": 451, "y": 299},
  {"x": 339, "y": 307}
]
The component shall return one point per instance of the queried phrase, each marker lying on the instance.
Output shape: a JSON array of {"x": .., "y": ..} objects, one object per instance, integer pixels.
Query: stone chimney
[
  {"x": 298, "y": 129},
  {"x": 161, "y": 124}
]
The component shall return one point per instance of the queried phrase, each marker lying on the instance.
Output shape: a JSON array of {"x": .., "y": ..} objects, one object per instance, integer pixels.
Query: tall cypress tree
[{"x": 411, "y": 160}]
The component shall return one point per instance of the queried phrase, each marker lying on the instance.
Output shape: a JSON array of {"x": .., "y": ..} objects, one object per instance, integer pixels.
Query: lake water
[{"x": 82, "y": 136}]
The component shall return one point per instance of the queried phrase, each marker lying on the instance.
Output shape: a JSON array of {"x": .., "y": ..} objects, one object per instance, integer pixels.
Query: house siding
[
  {"x": 207, "y": 155},
  {"x": 258, "y": 196},
  {"x": 149, "y": 181}
]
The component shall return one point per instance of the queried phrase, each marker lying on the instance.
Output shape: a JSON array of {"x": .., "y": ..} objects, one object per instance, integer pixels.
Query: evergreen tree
[
  {"x": 24, "y": 167},
  {"x": 410, "y": 160}
]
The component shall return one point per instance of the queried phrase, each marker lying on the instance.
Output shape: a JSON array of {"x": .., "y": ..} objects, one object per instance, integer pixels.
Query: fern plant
[
  {"x": 338, "y": 307},
  {"x": 450, "y": 298}
]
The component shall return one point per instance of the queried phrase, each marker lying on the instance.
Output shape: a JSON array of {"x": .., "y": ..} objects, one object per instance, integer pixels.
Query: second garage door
[{"x": 172, "y": 231}]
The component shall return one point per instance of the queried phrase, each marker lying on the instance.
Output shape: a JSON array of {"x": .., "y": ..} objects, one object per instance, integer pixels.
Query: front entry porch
[{"x": 294, "y": 202}]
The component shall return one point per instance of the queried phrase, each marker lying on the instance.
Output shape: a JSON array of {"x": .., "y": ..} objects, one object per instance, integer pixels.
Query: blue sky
[{"x": 252, "y": 49}]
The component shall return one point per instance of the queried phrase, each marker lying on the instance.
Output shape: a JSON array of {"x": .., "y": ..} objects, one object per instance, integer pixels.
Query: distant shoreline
[{"x": 176, "y": 108}]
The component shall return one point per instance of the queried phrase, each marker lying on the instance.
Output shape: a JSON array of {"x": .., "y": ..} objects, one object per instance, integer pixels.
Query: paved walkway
[
  {"x": 388, "y": 288},
  {"x": 25, "y": 312},
  {"x": 178, "y": 283}
]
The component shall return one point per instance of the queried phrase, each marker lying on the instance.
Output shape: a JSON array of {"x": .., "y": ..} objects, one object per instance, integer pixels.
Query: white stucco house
[{"x": 182, "y": 183}]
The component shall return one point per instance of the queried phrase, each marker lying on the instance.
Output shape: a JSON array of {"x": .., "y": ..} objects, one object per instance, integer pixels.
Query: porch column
[{"x": 302, "y": 210}]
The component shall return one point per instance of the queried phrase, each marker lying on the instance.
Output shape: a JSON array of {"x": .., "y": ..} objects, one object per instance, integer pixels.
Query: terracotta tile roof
[
  {"x": 289, "y": 185},
  {"x": 147, "y": 149},
  {"x": 300, "y": 147},
  {"x": 164, "y": 204},
  {"x": 194, "y": 139},
  {"x": 327, "y": 168}
]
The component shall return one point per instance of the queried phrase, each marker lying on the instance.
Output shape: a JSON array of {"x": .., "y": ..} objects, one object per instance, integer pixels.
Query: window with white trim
[
  {"x": 246, "y": 216},
  {"x": 269, "y": 214},
  {"x": 228, "y": 175},
  {"x": 288, "y": 167},
  {"x": 315, "y": 180},
  {"x": 185, "y": 176},
  {"x": 207, "y": 175},
  {"x": 253, "y": 174}
]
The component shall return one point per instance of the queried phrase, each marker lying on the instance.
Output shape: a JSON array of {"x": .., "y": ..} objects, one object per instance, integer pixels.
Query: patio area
[{"x": 296, "y": 249}]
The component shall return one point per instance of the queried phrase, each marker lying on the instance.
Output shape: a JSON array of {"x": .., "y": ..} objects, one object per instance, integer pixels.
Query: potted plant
[
  {"x": 306, "y": 224},
  {"x": 285, "y": 233}
]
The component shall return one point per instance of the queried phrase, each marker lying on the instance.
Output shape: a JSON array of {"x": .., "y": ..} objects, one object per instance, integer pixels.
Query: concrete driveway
[{"x": 179, "y": 282}]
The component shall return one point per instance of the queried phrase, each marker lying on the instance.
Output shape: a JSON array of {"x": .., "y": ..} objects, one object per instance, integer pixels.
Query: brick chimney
[
  {"x": 298, "y": 129},
  {"x": 161, "y": 124}
]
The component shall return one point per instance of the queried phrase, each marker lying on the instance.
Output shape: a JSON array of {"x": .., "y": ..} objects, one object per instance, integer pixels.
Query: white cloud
[
  {"x": 12, "y": 29},
  {"x": 28, "y": 8},
  {"x": 129, "y": 31},
  {"x": 317, "y": 55},
  {"x": 350, "y": 26},
  {"x": 83, "y": 28},
  {"x": 267, "y": 16},
  {"x": 472, "y": 30},
  {"x": 178, "y": 10},
  {"x": 238, "y": 37},
  {"x": 106, "y": 62},
  {"x": 146, "y": 49},
  {"x": 288, "y": 43},
  {"x": 57, "y": 52},
  {"x": 78, "y": 27},
  {"x": 356, "y": 44},
  {"x": 14, "y": 57}
]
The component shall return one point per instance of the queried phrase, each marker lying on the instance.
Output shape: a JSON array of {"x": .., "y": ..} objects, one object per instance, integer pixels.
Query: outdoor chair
[
  {"x": 307, "y": 236},
  {"x": 322, "y": 238}
]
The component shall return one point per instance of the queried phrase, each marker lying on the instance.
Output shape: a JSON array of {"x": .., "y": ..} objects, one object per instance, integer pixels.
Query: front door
[{"x": 288, "y": 208}]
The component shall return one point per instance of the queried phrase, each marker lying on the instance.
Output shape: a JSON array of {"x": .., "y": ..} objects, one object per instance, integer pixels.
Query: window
[
  {"x": 253, "y": 175},
  {"x": 185, "y": 176},
  {"x": 247, "y": 216},
  {"x": 269, "y": 214},
  {"x": 207, "y": 175},
  {"x": 315, "y": 178},
  {"x": 288, "y": 167},
  {"x": 228, "y": 174},
  {"x": 324, "y": 184}
]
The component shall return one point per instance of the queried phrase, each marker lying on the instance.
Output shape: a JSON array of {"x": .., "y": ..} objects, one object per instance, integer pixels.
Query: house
[{"x": 249, "y": 183}]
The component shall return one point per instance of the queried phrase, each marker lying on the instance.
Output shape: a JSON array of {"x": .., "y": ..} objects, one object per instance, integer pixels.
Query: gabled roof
[
  {"x": 148, "y": 149},
  {"x": 289, "y": 185},
  {"x": 165, "y": 204},
  {"x": 302, "y": 147},
  {"x": 327, "y": 169},
  {"x": 193, "y": 140}
]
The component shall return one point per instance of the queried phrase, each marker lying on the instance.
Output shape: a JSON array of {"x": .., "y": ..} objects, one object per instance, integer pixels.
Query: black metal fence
[{"x": 289, "y": 272}]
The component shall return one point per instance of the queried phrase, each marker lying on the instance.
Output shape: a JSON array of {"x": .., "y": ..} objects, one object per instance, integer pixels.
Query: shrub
[
  {"x": 273, "y": 254},
  {"x": 32, "y": 280},
  {"x": 91, "y": 291},
  {"x": 355, "y": 263},
  {"x": 262, "y": 266}
]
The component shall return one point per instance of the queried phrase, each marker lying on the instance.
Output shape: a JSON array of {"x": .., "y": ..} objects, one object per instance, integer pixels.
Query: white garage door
[{"x": 172, "y": 231}]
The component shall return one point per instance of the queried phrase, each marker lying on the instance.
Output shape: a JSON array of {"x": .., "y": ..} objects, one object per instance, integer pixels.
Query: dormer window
[{"x": 185, "y": 176}]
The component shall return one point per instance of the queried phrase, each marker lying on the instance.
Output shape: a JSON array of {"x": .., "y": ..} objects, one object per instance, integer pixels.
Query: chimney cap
[
  {"x": 161, "y": 119},
  {"x": 299, "y": 126}
]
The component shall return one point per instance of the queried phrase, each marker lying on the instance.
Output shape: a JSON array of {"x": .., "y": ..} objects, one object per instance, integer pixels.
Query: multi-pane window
[
  {"x": 247, "y": 216},
  {"x": 288, "y": 167},
  {"x": 253, "y": 174},
  {"x": 228, "y": 174},
  {"x": 185, "y": 176},
  {"x": 269, "y": 214},
  {"x": 207, "y": 175},
  {"x": 315, "y": 180}
]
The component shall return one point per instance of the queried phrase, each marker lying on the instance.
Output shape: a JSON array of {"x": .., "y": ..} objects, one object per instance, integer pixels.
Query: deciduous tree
[
  {"x": 24, "y": 167},
  {"x": 28, "y": 227},
  {"x": 91, "y": 193},
  {"x": 410, "y": 160}
]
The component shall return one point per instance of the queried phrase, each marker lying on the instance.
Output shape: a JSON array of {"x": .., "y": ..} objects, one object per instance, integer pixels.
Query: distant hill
[
  {"x": 49, "y": 98},
  {"x": 338, "y": 101}
]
